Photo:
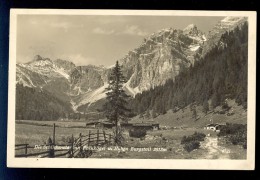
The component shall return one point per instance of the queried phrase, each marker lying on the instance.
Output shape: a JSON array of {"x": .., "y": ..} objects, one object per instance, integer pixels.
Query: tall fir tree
[
  {"x": 205, "y": 106},
  {"x": 115, "y": 108}
]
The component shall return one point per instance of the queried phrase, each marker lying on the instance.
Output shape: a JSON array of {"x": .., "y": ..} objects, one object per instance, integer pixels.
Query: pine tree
[
  {"x": 193, "y": 110},
  {"x": 215, "y": 100},
  {"x": 194, "y": 114},
  {"x": 205, "y": 106},
  {"x": 115, "y": 107},
  {"x": 141, "y": 116},
  {"x": 147, "y": 114},
  {"x": 153, "y": 114}
]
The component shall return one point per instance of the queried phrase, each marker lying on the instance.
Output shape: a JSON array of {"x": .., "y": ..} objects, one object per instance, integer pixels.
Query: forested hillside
[
  {"x": 34, "y": 104},
  {"x": 221, "y": 74}
]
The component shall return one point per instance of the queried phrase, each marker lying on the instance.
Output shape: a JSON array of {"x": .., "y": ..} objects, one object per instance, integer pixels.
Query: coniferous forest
[
  {"x": 221, "y": 74},
  {"x": 34, "y": 104}
]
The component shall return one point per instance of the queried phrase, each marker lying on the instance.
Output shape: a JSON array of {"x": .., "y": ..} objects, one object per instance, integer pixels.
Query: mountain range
[{"x": 161, "y": 56}]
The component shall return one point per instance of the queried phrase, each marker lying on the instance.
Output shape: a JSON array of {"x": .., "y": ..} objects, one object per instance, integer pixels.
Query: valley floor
[{"x": 166, "y": 143}]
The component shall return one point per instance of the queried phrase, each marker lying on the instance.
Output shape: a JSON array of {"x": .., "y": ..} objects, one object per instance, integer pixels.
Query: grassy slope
[
  {"x": 32, "y": 134},
  {"x": 184, "y": 119}
]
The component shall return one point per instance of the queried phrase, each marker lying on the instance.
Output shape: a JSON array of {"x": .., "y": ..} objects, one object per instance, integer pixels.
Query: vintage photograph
[{"x": 112, "y": 86}]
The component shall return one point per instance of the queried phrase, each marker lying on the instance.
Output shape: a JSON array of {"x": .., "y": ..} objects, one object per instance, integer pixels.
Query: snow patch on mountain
[
  {"x": 231, "y": 20},
  {"x": 41, "y": 63},
  {"x": 21, "y": 79},
  {"x": 46, "y": 67},
  {"x": 73, "y": 105},
  {"x": 165, "y": 67},
  {"x": 111, "y": 66},
  {"x": 190, "y": 27},
  {"x": 132, "y": 91},
  {"x": 204, "y": 37},
  {"x": 62, "y": 72},
  {"x": 93, "y": 96},
  {"x": 194, "y": 47}
]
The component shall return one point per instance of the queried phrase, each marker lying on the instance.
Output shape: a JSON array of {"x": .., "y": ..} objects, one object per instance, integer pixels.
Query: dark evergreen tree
[
  {"x": 141, "y": 116},
  {"x": 205, "y": 106},
  {"x": 153, "y": 114},
  {"x": 115, "y": 108},
  {"x": 194, "y": 114},
  {"x": 147, "y": 114},
  {"x": 193, "y": 110},
  {"x": 215, "y": 101}
]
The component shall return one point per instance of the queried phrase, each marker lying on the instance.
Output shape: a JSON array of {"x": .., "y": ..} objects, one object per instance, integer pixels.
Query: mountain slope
[
  {"x": 160, "y": 57},
  {"x": 35, "y": 104},
  {"x": 226, "y": 24},
  {"x": 221, "y": 74}
]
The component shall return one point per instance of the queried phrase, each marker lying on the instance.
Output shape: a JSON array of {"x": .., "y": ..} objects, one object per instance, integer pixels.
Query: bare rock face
[
  {"x": 87, "y": 78},
  {"x": 37, "y": 58},
  {"x": 64, "y": 64},
  {"x": 161, "y": 56}
]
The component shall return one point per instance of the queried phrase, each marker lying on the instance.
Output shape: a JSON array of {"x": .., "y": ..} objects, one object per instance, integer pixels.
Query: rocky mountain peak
[
  {"x": 161, "y": 56},
  {"x": 231, "y": 20},
  {"x": 190, "y": 27},
  {"x": 37, "y": 58},
  {"x": 192, "y": 30},
  {"x": 224, "y": 25}
]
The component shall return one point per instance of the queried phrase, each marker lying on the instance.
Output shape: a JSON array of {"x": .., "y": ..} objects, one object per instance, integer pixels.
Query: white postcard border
[{"x": 248, "y": 164}]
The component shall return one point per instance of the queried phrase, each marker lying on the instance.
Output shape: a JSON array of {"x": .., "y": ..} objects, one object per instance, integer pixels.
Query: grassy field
[
  {"x": 27, "y": 133},
  {"x": 34, "y": 134},
  {"x": 166, "y": 139},
  {"x": 65, "y": 124}
]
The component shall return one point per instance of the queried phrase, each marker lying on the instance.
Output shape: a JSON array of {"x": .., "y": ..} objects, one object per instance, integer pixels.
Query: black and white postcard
[{"x": 132, "y": 89}]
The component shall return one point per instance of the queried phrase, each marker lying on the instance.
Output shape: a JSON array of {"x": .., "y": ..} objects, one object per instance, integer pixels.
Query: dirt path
[{"x": 214, "y": 150}]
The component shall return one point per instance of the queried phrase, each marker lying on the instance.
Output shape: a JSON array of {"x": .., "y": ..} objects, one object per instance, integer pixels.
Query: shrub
[
  {"x": 190, "y": 146},
  {"x": 239, "y": 138},
  {"x": 230, "y": 129},
  {"x": 235, "y": 133},
  {"x": 192, "y": 142},
  {"x": 137, "y": 133},
  {"x": 195, "y": 137}
]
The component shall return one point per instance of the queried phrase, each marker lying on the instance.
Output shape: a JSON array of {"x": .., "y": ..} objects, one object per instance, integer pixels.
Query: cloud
[
  {"x": 99, "y": 30},
  {"x": 129, "y": 30},
  {"x": 134, "y": 30},
  {"x": 78, "y": 59},
  {"x": 51, "y": 23}
]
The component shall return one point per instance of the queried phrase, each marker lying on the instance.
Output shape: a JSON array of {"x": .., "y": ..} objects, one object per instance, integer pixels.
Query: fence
[{"x": 75, "y": 148}]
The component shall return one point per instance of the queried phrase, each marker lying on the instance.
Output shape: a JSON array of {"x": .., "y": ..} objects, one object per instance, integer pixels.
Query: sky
[{"x": 93, "y": 39}]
